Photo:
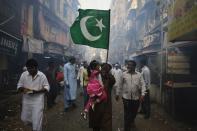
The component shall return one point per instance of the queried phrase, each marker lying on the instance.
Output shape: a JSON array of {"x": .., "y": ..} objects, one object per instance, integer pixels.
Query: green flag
[{"x": 91, "y": 28}]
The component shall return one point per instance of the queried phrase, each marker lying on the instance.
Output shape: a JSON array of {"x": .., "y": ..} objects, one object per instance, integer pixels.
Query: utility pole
[{"x": 161, "y": 50}]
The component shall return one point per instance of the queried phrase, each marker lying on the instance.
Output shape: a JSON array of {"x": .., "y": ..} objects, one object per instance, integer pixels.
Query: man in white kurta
[
  {"x": 70, "y": 80},
  {"x": 117, "y": 73},
  {"x": 33, "y": 84}
]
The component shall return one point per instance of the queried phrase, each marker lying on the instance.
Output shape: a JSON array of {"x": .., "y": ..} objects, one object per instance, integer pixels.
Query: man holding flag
[{"x": 92, "y": 28}]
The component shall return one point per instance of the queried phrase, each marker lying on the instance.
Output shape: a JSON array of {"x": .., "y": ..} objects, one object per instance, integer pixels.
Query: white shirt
[
  {"x": 133, "y": 86},
  {"x": 69, "y": 73},
  {"x": 146, "y": 76},
  {"x": 37, "y": 83},
  {"x": 80, "y": 75},
  {"x": 117, "y": 73},
  {"x": 33, "y": 104},
  {"x": 70, "y": 78}
]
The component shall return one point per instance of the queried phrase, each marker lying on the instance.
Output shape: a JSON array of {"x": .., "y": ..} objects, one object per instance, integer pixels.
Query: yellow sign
[{"x": 183, "y": 21}]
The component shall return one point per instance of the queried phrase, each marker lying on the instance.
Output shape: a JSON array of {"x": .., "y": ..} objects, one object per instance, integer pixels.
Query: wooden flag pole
[
  {"x": 108, "y": 38},
  {"x": 107, "y": 55}
]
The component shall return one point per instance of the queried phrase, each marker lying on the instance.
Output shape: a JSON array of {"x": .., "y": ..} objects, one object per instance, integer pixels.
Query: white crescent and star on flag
[{"x": 85, "y": 31}]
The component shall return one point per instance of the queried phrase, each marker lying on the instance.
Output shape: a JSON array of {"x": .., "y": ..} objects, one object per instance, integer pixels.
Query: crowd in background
[{"x": 98, "y": 81}]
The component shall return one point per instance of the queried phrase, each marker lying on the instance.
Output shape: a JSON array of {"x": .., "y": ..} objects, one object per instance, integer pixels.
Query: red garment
[
  {"x": 60, "y": 76},
  {"x": 91, "y": 100},
  {"x": 95, "y": 90},
  {"x": 94, "y": 87}
]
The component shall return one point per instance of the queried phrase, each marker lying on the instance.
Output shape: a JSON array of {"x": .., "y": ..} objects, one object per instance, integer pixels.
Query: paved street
[{"x": 57, "y": 120}]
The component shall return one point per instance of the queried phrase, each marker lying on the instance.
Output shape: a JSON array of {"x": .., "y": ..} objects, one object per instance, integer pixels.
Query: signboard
[
  {"x": 183, "y": 21},
  {"x": 33, "y": 45},
  {"x": 8, "y": 44},
  {"x": 152, "y": 39}
]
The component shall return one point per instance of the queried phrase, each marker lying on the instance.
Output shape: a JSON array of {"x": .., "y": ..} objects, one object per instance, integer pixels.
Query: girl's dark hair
[
  {"x": 92, "y": 66},
  {"x": 31, "y": 63},
  {"x": 107, "y": 67}
]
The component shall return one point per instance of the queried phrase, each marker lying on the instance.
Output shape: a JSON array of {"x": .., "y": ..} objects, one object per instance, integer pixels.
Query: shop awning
[{"x": 148, "y": 50}]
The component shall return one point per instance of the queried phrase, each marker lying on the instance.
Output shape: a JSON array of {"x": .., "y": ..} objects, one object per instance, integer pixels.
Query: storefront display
[{"x": 180, "y": 84}]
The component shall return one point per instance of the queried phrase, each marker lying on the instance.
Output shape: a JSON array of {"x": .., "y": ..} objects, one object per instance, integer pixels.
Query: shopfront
[
  {"x": 181, "y": 81},
  {"x": 181, "y": 51},
  {"x": 10, "y": 49}
]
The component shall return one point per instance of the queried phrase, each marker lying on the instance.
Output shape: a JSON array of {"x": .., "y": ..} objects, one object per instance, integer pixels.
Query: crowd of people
[{"x": 98, "y": 81}]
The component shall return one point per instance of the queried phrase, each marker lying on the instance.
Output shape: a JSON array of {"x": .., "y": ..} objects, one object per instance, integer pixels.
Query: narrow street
[
  {"x": 47, "y": 43},
  {"x": 57, "y": 120}
]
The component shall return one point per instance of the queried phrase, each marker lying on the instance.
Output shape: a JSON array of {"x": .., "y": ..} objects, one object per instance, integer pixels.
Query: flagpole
[
  {"x": 107, "y": 55},
  {"x": 109, "y": 37}
]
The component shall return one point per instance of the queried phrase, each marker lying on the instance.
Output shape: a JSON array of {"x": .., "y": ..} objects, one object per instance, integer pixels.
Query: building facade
[
  {"x": 164, "y": 33},
  {"x": 10, "y": 43},
  {"x": 32, "y": 29}
]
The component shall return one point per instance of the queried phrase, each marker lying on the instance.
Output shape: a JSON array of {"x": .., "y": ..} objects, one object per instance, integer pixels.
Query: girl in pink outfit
[{"x": 95, "y": 88}]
